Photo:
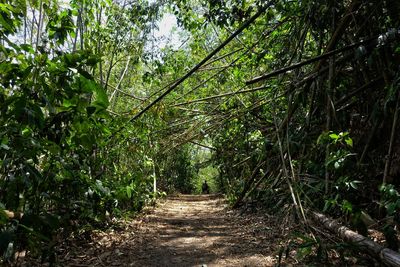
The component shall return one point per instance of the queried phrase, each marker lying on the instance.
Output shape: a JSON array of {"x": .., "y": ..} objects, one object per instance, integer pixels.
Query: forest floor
[
  {"x": 184, "y": 230},
  {"x": 198, "y": 230}
]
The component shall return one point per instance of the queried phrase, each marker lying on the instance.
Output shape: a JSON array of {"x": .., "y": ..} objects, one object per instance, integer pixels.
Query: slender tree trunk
[
  {"x": 39, "y": 28},
  {"x": 78, "y": 22},
  {"x": 98, "y": 45},
  {"x": 82, "y": 26},
  {"x": 33, "y": 25},
  {"x": 392, "y": 141},
  {"x": 115, "y": 93},
  {"x": 110, "y": 67},
  {"x": 25, "y": 28},
  {"x": 329, "y": 109}
]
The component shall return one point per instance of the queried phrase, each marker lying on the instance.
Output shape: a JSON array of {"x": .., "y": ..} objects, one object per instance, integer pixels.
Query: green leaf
[
  {"x": 26, "y": 132},
  {"x": 4, "y": 143},
  {"x": 391, "y": 208},
  {"x": 354, "y": 184},
  {"x": 347, "y": 206},
  {"x": 105, "y": 129},
  {"x": 322, "y": 138},
  {"x": 128, "y": 191},
  {"x": 100, "y": 95},
  {"x": 337, "y": 165},
  {"x": 27, "y": 48},
  {"x": 349, "y": 142},
  {"x": 67, "y": 103},
  {"x": 52, "y": 147},
  {"x": 3, "y": 217},
  {"x": 334, "y": 136}
]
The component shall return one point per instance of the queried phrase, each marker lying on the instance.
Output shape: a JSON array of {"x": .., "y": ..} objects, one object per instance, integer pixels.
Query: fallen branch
[
  {"x": 201, "y": 145},
  {"x": 378, "y": 40},
  {"x": 223, "y": 56},
  {"x": 309, "y": 61},
  {"x": 358, "y": 90},
  {"x": 124, "y": 93},
  {"x": 222, "y": 95},
  {"x": 388, "y": 256},
  {"x": 248, "y": 183},
  {"x": 13, "y": 215}
]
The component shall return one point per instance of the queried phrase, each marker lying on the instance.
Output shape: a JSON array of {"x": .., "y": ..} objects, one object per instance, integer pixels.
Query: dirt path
[{"x": 187, "y": 230}]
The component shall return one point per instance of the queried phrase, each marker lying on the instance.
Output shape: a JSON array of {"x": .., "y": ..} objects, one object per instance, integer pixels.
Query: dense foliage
[{"x": 298, "y": 110}]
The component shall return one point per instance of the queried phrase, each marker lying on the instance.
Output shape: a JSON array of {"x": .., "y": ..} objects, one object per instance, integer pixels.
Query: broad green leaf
[
  {"x": 26, "y": 132},
  {"x": 334, "y": 136},
  {"x": 349, "y": 141},
  {"x": 337, "y": 165},
  {"x": 128, "y": 191},
  {"x": 100, "y": 96}
]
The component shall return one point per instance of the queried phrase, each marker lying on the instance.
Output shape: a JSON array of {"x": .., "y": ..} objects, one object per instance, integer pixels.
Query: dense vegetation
[{"x": 298, "y": 109}]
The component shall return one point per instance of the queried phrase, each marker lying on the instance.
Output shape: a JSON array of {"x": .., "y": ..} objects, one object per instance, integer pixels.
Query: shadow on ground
[{"x": 185, "y": 230}]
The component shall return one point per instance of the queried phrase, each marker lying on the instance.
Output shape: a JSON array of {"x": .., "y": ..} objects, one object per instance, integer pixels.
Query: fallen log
[
  {"x": 12, "y": 215},
  {"x": 386, "y": 255}
]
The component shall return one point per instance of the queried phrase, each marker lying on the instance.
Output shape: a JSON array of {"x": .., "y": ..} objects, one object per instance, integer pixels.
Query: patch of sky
[{"x": 167, "y": 33}]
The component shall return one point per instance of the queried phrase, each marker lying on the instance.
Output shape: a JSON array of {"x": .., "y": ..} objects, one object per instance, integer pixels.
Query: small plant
[
  {"x": 340, "y": 146},
  {"x": 304, "y": 247},
  {"x": 390, "y": 199}
]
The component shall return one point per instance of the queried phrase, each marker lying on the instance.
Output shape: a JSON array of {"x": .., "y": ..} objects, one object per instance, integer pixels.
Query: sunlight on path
[
  {"x": 185, "y": 230},
  {"x": 195, "y": 230}
]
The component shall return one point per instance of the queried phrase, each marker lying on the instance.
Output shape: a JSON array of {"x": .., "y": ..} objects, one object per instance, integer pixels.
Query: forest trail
[{"x": 185, "y": 230}]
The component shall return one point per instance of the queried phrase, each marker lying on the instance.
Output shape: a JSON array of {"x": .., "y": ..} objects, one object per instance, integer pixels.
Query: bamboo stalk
[{"x": 392, "y": 137}]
